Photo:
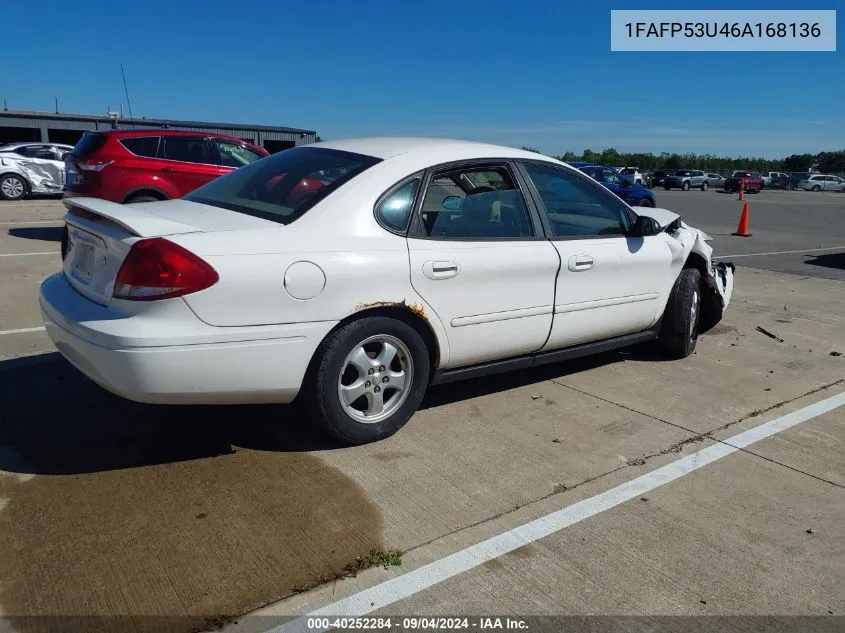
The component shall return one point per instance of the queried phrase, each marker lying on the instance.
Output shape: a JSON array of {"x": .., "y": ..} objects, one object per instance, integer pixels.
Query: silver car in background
[
  {"x": 27, "y": 168},
  {"x": 686, "y": 179},
  {"x": 822, "y": 182}
]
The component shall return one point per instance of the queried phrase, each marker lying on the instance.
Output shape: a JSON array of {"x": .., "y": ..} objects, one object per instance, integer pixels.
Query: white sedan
[{"x": 351, "y": 275}]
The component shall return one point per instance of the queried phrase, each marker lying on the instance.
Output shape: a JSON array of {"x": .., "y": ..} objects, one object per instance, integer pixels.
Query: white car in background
[
  {"x": 418, "y": 261},
  {"x": 27, "y": 168},
  {"x": 633, "y": 174},
  {"x": 822, "y": 182}
]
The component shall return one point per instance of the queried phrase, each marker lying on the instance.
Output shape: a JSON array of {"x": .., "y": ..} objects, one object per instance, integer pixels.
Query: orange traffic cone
[{"x": 742, "y": 229}]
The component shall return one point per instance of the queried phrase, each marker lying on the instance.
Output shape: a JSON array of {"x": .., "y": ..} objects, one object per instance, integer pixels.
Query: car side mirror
[
  {"x": 645, "y": 226},
  {"x": 452, "y": 203}
]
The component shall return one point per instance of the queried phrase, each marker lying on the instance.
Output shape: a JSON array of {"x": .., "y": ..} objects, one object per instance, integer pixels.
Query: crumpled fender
[
  {"x": 716, "y": 275},
  {"x": 46, "y": 177}
]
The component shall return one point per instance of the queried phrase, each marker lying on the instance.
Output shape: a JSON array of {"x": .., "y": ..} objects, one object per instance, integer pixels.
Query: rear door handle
[
  {"x": 578, "y": 263},
  {"x": 440, "y": 269}
]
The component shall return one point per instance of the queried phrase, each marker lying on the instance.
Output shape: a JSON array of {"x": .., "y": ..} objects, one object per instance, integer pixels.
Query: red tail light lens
[{"x": 159, "y": 269}]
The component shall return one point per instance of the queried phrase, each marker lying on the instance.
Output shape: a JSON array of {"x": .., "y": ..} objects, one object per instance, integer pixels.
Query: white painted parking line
[
  {"x": 22, "y": 330},
  {"x": 27, "y": 254},
  {"x": 413, "y": 582},
  {"x": 32, "y": 222},
  {"x": 803, "y": 250}
]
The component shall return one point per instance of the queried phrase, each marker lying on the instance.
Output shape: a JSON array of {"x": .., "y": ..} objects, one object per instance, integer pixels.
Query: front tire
[
  {"x": 679, "y": 330},
  {"x": 645, "y": 202},
  {"x": 704, "y": 186},
  {"x": 685, "y": 186},
  {"x": 12, "y": 187},
  {"x": 367, "y": 379}
]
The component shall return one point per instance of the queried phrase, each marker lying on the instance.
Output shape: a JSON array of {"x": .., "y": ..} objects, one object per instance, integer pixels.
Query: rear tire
[
  {"x": 348, "y": 357},
  {"x": 645, "y": 202},
  {"x": 816, "y": 188},
  {"x": 12, "y": 187},
  {"x": 666, "y": 188},
  {"x": 679, "y": 330}
]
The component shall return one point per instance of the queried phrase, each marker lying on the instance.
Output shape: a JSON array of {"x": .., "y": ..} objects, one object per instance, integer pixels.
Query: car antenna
[{"x": 128, "y": 102}]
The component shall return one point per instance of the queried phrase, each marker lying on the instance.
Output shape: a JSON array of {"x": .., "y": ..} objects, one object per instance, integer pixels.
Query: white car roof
[
  {"x": 12, "y": 146},
  {"x": 451, "y": 149}
]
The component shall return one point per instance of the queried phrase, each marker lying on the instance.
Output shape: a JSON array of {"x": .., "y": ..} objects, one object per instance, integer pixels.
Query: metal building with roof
[{"x": 26, "y": 125}]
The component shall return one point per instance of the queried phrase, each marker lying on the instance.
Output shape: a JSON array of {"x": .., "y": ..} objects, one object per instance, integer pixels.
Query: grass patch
[{"x": 376, "y": 558}]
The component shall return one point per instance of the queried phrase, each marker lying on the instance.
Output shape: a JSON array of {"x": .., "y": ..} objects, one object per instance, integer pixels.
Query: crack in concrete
[
  {"x": 699, "y": 437},
  {"x": 676, "y": 447}
]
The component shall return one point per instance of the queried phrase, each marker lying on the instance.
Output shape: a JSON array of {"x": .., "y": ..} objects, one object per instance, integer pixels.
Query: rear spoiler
[{"x": 131, "y": 218}]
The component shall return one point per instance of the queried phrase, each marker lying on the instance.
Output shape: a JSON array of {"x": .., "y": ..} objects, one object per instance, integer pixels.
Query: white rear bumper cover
[{"x": 190, "y": 363}]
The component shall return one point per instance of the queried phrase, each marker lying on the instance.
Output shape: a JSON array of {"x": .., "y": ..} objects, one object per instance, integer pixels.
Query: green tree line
[{"x": 825, "y": 162}]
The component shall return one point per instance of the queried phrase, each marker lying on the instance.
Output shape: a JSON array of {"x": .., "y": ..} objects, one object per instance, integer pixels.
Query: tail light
[
  {"x": 94, "y": 165},
  {"x": 159, "y": 269}
]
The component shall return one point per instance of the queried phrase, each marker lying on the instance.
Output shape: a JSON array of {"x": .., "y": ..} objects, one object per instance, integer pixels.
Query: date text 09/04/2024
[
  {"x": 715, "y": 29},
  {"x": 416, "y": 623}
]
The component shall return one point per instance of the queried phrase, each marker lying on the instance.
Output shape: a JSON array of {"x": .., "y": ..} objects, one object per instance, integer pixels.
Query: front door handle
[
  {"x": 578, "y": 263},
  {"x": 440, "y": 269}
]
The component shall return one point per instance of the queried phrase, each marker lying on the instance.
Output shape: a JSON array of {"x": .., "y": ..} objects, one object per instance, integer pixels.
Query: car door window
[
  {"x": 482, "y": 203},
  {"x": 575, "y": 206},
  {"x": 187, "y": 149},
  {"x": 395, "y": 208},
  {"x": 234, "y": 154},
  {"x": 609, "y": 177}
]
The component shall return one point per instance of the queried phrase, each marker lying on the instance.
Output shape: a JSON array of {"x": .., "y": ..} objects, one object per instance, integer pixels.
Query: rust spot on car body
[{"x": 416, "y": 308}]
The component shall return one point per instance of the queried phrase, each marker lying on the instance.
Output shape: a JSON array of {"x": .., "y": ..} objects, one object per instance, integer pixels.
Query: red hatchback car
[{"x": 146, "y": 165}]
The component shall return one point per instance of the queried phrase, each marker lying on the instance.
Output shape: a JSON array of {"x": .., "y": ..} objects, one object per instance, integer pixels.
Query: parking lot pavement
[
  {"x": 193, "y": 514},
  {"x": 802, "y": 232}
]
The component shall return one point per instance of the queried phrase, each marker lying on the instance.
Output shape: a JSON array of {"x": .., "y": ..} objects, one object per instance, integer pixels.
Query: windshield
[
  {"x": 683, "y": 172},
  {"x": 283, "y": 186}
]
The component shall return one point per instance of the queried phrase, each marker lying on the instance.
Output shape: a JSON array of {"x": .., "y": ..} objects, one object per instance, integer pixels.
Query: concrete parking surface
[{"x": 180, "y": 519}]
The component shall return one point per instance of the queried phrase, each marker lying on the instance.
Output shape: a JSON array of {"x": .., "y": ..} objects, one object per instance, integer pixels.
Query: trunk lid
[{"x": 101, "y": 233}]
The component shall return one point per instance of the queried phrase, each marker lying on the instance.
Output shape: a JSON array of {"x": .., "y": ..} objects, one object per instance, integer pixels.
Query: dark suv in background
[{"x": 146, "y": 165}]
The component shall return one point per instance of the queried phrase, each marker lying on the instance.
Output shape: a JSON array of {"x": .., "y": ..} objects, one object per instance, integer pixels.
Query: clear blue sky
[{"x": 524, "y": 72}]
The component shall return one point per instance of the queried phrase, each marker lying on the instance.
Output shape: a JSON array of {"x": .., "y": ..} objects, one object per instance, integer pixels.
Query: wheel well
[
  {"x": 25, "y": 180},
  {"x": 145, "y": 191},
  {"x": 697, "y": 261},
  {"x": 413, "y": 315}
]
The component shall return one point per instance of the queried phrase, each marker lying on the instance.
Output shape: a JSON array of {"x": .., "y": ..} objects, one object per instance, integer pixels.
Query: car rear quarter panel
[{"x": 363, "y": 265}]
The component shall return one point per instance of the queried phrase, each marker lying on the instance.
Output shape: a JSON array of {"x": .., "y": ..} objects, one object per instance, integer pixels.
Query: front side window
[
  {"x": 575, "y": 206},
  {"x": 395, "y": 208},
  {"x": 284, "y": 186},
  {"x": 187, "y": 149},
  {"x": 235, "y": 154},
  {"x": 475, "y": 203}
]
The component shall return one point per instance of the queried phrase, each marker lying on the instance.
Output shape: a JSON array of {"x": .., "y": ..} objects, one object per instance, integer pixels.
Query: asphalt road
[
  {"x": 139, "y": 518},
  {"x": 810, "y": 224}
]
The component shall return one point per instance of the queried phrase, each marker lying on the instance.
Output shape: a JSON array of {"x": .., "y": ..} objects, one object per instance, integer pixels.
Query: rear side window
[
  {"x": 187, "y": 149},
  {"x": 146, "y": 146},
  {"x": 282, "y": 187},
  {"x": 394, "y": 210},
  {"x": 89, "y": 144}
]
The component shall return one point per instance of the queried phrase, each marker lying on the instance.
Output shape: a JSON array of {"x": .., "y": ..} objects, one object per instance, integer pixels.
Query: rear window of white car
[{"x": 282, "y": 187}]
